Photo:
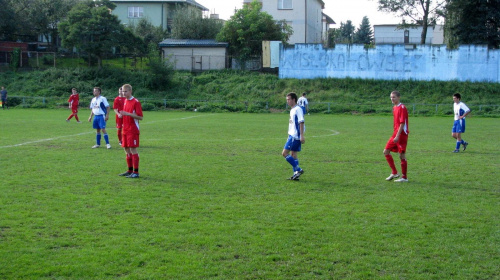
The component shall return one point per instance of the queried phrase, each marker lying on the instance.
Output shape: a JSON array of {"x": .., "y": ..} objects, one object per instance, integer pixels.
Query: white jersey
[
  {"x": 296, "y": 117},
  {"x": 99, "y": 105},
  {"x": 460, "y": 109},
  {"x": 302, "y": 102}
]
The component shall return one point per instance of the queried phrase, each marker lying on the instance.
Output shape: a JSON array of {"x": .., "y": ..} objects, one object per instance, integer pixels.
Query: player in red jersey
[
  {"x": 73, "y": 101},
  {"x": 131, "y": 115},
  {"x": 399, "y": 139},
  {"x": 118, "y": 107}
]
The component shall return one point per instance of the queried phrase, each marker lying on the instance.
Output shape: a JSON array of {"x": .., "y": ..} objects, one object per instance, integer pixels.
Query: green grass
[{"x": 213, "y": 203}]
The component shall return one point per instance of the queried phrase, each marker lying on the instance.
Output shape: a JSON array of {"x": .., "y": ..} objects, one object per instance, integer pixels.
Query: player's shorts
[
  {"x": 119, "y": 122},
  {"x": 292, "y": 144},
  {"x": 99, "y": 122},
  {"x": 74, "y": 110},
  {"x": 399, "y": 147},
  {"x": 130, "y": 140},
  {"x": 458, "y": 126}
]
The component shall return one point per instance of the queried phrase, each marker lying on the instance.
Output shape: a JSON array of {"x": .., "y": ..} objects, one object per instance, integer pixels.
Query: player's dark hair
[
  {"x": 396, "y": 93},
  {"x": 304, "y": 94},
  {"x": 293, "y": 95},
  {"x": 99, "y": 89},
  {"x": 457, "y": 95}
]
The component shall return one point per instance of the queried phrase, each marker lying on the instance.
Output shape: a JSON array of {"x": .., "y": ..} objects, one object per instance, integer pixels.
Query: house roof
[
  {"x": 329, "y": 20},
  {"x": 191, "y": 43},
  {"x": 190, "y": 2}
]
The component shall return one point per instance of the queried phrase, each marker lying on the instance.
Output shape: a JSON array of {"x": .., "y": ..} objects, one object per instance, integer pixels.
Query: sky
[{"x": 338, "y": 10}]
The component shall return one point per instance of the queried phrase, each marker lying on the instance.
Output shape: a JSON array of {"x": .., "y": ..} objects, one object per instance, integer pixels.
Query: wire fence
[{"x": 153, "y": 104}]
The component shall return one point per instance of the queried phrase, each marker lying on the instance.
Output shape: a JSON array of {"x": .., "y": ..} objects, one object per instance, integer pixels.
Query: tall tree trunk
[{"x": 425, "y": 22}]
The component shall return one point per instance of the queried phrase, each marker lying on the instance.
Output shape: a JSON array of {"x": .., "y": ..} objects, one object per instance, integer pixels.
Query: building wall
[
  {"x": 302, "y": 32},
  {"x": 196, "y": 59},
  {"x": 390, "y": 34},
  {"x": 391, "y": 62}
]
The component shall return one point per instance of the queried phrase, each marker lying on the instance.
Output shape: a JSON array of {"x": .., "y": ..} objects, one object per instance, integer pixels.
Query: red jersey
[
  {"x": 74, "y": 99},
  {"x": 131, "y": 125},
  {"x": 400, "y": 117},
  {"x": 118, "y": 103}
]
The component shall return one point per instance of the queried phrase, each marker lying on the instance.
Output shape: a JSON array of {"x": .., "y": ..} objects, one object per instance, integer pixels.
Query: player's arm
[
  {"x": 132, "y": 115},
  {"x": 464, "y": 115},
  {"x": 107, "y": 113},
  {"x": 117, "y": 113},
  {"x": 301, "y": 128},
  {"x": 91, "y": 114},
  {"x": 400, "y": 130}
]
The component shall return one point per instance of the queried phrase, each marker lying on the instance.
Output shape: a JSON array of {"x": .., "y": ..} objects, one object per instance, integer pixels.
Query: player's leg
[
  {"x": 390, "y": 160},
  {"x": 106, "y": 137},
  {"x": 128, "y": 158},
  {"x": 134, "y": 143}
]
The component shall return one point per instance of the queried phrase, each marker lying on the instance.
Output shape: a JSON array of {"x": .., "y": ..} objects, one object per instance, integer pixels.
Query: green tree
[
  {"x": 248, "y": 27},
  {"x": 189, "y": 24},
  {"x": 345, "y": 33},
  {"x": 149, "y": 34},
  {"x": 421, "y": 12},
  {"x": 91, "y": 28},
  {"x": 473, "y": 22},
  {"x": 364, "y": 34}
]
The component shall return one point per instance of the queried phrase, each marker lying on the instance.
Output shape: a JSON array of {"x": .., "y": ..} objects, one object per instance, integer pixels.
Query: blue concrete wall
[{"x": 391, "y": 62}]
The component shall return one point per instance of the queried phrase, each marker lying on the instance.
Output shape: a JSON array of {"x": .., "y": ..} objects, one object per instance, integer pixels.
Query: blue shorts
[
  {"x": 99, "y": 122},
  {"x": 458, "y": 126},
  {"x": 292, "y": 144}
]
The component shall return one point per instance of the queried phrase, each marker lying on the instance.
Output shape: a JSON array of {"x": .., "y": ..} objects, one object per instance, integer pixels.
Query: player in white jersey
[
  {"x": 303, "y": 103},
  {"x": 296, "y": 128},
  {"x": 460, "y": 111},
  {"x": 100, "y": 110}
]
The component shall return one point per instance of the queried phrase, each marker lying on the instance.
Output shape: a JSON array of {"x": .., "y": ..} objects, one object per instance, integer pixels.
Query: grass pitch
[{"x": 213, "y": 201}]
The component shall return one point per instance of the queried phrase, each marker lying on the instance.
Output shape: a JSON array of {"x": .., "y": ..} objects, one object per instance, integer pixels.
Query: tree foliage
[
  {"x": 419, "y": 12},
  {"x": 189, "y": 24},
  {"x": 248, "y": 27},
  {"x": 344, "y": 34},
  {"x": 364, "y": 34},
  {"x": 91, "y": 28},
  {"x": 26, "y": 19},
  {"x": 473, "y": 22},
  {"x": 149, "y": 34}
]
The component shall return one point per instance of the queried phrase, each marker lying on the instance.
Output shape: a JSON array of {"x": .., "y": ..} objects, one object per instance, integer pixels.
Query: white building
[
  {"x": 310, "y": 25},
  {"x": 390, "y": 34}
]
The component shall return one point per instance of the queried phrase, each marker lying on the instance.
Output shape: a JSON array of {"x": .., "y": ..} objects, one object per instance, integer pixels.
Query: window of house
[
  {"x": 135, "y": 12},
  {"x": 285, "y": 4}
]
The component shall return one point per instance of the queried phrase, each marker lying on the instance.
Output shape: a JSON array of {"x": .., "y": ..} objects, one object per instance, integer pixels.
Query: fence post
[
  {"x": 328, "y": 107},
  {"x": 413, "y": 109},
  {"x": 437, "y": 108}
]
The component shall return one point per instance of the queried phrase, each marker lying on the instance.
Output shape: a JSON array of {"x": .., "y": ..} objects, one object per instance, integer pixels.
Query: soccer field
[{"x": 213, "y": 201}]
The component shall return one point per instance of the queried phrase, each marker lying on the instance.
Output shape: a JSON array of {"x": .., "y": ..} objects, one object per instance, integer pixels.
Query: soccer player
[
  {"x": 3, "y": 94},
  {"x": 461, "y": 110},
  {"x": 74, "y": 100},
  {"x": 118, "y": 107},
  {"x": 303, "y": 103},
  {"x": 131, "y": 115},
  {"x": 399, "y": 139},
  {"x": 100, "y": 110},
  {"x": 296, "y": 128}
]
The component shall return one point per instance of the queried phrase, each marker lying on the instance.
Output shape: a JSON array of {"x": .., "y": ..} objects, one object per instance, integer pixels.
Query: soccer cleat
[
  {"x": 95, "y": 146},
  {"x": 133, "y": 175},
  {"x": 108, "y": 146},
  {"x": 125, "y": 173},
  {"x": 392, "y": 176},
  {"x": 297, "y": 174},
  {"x": 67, "y": 120},
  {"x": 465, "y": 144},
  {"x": 401, "y": 180},
  {"x": 78, "y": 122},
  {"x": 120, "y": 143},
  {"x": 456, "y": 151}
]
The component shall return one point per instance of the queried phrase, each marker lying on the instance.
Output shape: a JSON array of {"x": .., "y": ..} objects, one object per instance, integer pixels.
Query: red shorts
[
  {"x": 400, "y": 146},
  {"x": 119, "y": 122},
  {"x": 74, "y": 110},
  {"x": 130, "y": 140}
]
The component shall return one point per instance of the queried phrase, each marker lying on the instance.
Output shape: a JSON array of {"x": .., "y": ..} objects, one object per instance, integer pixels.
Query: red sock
[
  {"x": 70, "y": 116},
  {"x": 129, "y": 162},
  {"x": 390, "y": 160},
  {"x": 76, "y": 117},
  {"x": 404, "y": 166},
  {"x": 119, "y": 134},
  {"x": 135, "y": 160}
]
